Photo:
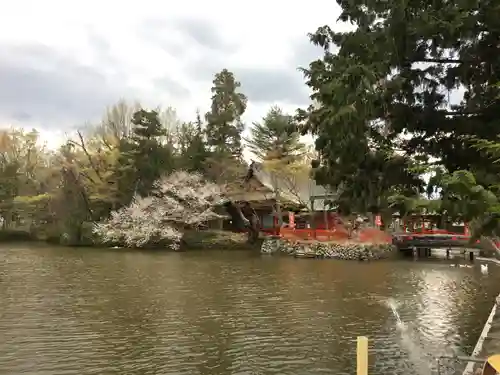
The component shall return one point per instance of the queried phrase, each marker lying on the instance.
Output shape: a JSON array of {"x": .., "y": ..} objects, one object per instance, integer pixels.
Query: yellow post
[{"x": 362, "y": 356}]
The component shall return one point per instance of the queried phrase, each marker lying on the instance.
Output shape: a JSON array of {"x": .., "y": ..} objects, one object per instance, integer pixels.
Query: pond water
[{"x": 96, "y": 311}]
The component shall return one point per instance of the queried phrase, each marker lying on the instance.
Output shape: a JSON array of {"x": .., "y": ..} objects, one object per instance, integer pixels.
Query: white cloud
[{"x": 80, "y": 56}]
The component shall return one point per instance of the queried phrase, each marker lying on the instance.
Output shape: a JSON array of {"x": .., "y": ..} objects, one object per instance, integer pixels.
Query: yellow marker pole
[{"x": 362, "y": 356}]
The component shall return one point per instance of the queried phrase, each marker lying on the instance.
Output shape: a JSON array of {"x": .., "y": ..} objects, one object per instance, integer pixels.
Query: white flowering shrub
[{"x": 177, "y": 201}]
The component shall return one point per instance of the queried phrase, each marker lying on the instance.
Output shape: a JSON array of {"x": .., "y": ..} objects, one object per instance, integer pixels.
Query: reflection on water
[
  {"x": 66, "y": 311},
  {"x": 420, "y": 361}
]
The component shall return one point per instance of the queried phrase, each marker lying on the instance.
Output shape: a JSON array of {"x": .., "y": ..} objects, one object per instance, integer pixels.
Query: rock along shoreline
[{"x": 330, "y": 250}]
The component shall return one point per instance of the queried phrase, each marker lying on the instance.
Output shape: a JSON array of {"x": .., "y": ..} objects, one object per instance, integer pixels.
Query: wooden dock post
[{"x": 362, "y": 356}]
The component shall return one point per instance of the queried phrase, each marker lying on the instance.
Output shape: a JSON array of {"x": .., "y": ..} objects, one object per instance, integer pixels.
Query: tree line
[
  {"x": 98, "y": 176},
  {"x": 413, "y": 91},
  {"x": 382, "y": 116}
]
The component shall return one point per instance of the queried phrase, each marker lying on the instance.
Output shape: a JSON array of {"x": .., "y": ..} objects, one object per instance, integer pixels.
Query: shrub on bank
[
  {"x": 192, "y": 239},
  {"x": 215, "y": 239},
  {"x": 14, "y": 235}
]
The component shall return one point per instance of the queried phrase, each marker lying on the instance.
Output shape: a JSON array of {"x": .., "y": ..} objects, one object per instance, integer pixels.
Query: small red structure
[{"x": 337, "y": 232}]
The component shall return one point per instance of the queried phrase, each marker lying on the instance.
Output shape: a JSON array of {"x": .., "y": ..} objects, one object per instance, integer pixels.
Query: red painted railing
[
  {"x": 432, "y": 231},
  {"x": 338, "y": 234},
  {"x": 313, "y": 234}
]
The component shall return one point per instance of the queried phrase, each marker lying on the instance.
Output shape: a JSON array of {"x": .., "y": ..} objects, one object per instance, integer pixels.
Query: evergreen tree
[
  {"x": 197, "y": 150},
  {"x": 145, "y": 152},
  {"x": 275, "y": 137},
  {"x": 224, "y": 126},
  {"x": 394, "y": 76},
  {"x": 191, "y": 146}
]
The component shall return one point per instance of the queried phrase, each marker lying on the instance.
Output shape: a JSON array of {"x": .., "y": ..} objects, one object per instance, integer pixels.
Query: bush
[
  {"x": 7, "y": 235},
  {"x": 215, "y": 239}
]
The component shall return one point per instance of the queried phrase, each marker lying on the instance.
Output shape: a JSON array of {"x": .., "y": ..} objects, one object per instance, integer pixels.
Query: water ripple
[{"x": 67, "y": 312}]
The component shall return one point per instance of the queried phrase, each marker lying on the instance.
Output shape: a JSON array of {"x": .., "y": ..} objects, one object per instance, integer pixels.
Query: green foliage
[
  {"x": 369, "y": 185},
  {"x": 224, "y": 126},
  {"x": 381, "y": 118},
  {"x": 145, "y": 152},
  {"x": 408, "y": 205},
  {"x": 463, "y": 199},
  {"x": 15, "y": 235},
  {"x": 276, "y": 137},
  {"x": 55, "y": 195},
  {"x": 191, "y": 146},
  {"x": 382, "y": 107}
]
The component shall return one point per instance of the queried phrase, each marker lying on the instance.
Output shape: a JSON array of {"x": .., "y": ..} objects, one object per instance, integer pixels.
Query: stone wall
[{"x": 345, "y": 251}]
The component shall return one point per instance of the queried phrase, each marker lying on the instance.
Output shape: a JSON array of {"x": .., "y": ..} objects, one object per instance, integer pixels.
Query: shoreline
[
  {"x": 203, "y": 240},
  {"x": 345, "y": 250},
  {"x": 488, "y": 342}
]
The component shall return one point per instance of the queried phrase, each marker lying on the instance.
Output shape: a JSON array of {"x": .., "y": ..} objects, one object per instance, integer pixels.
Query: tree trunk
[
  {"x": 278, "y": 203},
  {"x": 253, "y": 230}
]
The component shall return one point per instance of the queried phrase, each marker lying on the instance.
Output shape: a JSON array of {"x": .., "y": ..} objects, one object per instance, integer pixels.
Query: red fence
[
  {"x": 313, "y": 234},
  {"x": 337, "y": 234}
]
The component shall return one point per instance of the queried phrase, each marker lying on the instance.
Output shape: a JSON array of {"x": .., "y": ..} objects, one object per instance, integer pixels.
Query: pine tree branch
[{"x": 439, "y": 61}]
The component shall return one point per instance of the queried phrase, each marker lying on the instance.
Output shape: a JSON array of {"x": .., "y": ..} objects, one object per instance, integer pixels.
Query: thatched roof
[{"x": 261, "y": 184}]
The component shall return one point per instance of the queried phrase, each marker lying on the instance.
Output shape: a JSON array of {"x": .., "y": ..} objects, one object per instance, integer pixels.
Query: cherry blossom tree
[{"x": 178, "y": 201}]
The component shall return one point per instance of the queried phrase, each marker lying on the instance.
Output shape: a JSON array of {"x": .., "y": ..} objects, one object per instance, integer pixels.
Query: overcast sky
[{"x": 63, "y": 62}]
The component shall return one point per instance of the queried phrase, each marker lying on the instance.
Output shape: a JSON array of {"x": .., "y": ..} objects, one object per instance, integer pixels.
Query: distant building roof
[{"x": 296, "y": 189}]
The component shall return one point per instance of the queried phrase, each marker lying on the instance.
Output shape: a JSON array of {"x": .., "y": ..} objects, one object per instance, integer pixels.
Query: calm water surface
[{"x": 80, "y": 311}]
